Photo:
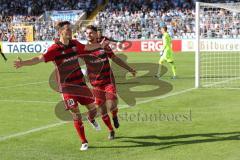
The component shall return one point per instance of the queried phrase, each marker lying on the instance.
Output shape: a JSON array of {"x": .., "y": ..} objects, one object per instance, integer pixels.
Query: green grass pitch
[{"x": 195, "y": 124}]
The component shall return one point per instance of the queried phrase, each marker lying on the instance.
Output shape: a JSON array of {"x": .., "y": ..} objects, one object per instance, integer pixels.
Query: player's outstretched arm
[
  {"x": 33, "y": 61},
  {"x": 124, "y": 65}
]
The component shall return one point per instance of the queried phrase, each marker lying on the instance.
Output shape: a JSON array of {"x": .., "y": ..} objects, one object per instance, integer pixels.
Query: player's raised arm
[
  {"x": 33, "y": 61},
  {"x": 124, "y": 65},
  {"x": 46, "y": 57},
  {"x": 91, "y": 47},
  {"x": 118, "y": 61}
]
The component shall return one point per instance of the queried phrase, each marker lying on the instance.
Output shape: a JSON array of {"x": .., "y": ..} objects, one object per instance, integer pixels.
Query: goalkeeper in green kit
[{"x": 166, "y": 54}]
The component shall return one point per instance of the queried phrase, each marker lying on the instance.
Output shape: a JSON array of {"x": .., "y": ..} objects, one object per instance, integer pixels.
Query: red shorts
[
  {"x": 103, "y": 93},
  {"x": 71, "y": 100}
]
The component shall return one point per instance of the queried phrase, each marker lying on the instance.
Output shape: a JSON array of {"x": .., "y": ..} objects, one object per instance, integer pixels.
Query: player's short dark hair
[
  {"x": 92, "y": 27},
  {"x": 61, "y": 24},
  {"x": 165, "y": 28}
]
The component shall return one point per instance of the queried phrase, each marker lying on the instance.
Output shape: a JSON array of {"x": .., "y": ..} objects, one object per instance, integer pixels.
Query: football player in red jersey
[
  {"x": 102, "y": 79},
  {"x": 64, "y": 54}
]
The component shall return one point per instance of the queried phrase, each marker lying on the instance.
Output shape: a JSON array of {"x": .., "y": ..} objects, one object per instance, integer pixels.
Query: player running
[
  {"x": 102, "y": 79},
  {"x": 166, "y": 53},
  {"x": 4, "y": 57},
  {"x": 64, "y": 54}
]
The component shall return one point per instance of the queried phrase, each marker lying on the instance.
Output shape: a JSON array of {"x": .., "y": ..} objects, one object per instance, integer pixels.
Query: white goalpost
[{"x": 217, "y": 45}]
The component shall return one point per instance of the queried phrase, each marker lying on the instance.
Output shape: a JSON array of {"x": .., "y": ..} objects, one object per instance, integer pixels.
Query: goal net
[{"x": 217, "y": 60}]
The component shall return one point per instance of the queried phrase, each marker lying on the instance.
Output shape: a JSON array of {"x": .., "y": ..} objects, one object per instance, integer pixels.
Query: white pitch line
[
  {"x": 123, "y": 106},
  {"x": 22, "y": 85},
  {"x": 63, "y": 122},
  {"x": 31, "y": 131},
  {"x": 221, "y": 82},
  {"x": 23, "y": 101},
  {"x": 160, "y": 97}
]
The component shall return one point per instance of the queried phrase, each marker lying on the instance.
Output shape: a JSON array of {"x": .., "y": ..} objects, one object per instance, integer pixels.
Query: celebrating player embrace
[{"x": 64, "y": 54}]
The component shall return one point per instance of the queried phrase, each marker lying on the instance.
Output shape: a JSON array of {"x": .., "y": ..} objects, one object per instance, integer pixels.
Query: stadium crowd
[
  {"x": 121, "y": 19},
  {"x": 37, "y": 7},
  {"x": 28, "y": 12},
  {"x": 142, "y": 19}
]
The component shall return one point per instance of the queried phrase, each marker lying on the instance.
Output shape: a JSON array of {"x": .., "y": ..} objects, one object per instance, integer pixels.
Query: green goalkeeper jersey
[{"x": 167, "y": 48}]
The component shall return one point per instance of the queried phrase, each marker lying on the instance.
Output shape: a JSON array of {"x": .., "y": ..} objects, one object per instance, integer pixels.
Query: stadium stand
[
  {"x": 121, "y": 19},
  {"x": 22, "y": 12},
  {"x": 143, "y": 21}
]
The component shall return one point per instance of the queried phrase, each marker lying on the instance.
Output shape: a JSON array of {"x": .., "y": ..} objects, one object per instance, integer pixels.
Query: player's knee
[
  {"x": 114, "y": 108},
  {"x": 112, "y": 105},
  {"x": 92, "y": 109},
  {"x": 74, "y": 110},
  {"x": 76, "y": 115},
  {"x": 93, "y": 112},
  {"x": 103, "y": 110}
]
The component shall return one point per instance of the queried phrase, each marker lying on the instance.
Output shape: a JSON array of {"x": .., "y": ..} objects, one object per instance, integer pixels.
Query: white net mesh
[{"x": 220, "y": 45}]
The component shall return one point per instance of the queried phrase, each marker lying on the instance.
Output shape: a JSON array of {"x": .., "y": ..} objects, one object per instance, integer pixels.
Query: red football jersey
[
  {"x": 65, "y": 58},
  {"x": 98, "y": 67}
]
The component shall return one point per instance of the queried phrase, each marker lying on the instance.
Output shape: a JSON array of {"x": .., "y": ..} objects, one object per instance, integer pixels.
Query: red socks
[
  {"x": 107, "y": 121},
  {"x": 80, "y": 130}
]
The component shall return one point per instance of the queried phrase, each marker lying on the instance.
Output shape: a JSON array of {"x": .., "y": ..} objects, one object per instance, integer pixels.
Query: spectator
[
  {"x": 121, "y": 19},
  {"x": 23, "y": 12}
]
